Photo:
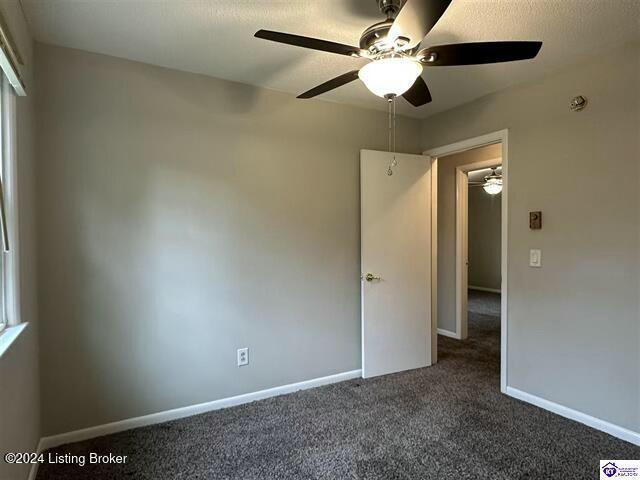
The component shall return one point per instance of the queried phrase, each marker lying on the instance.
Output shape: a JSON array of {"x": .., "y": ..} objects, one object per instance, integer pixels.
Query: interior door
[
  {"x": 396, "y": 262},
  {"x": 462, "y": 252}
]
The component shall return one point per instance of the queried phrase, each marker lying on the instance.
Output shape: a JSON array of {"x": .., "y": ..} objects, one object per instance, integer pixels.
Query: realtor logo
[
  {"x": 619, "y": 469},
  {"x": 610, "y": 469}
]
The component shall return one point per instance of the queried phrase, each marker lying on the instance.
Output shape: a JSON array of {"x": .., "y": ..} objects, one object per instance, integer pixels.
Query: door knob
[{"x": 370, "y": 277}]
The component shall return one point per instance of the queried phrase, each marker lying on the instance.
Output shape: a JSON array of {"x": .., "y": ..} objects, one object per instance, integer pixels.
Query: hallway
[{"x": 483, "y": 342}]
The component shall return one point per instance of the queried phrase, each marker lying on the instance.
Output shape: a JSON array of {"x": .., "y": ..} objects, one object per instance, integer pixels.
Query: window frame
[{"x": 9, "y": 289}]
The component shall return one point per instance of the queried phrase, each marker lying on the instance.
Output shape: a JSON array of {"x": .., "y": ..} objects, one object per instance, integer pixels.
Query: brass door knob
[{"x": 370, "y": 277}]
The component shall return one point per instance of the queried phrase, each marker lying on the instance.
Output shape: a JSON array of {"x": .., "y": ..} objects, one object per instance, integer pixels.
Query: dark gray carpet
[
  {"x": 484, "y": 303},
  {"x": 448, "y": 421}
]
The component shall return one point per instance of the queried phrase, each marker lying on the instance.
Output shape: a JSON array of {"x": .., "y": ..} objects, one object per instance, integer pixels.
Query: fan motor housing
[
  {"x": 374, "y": 34},
  {"x": 372, "y": 37},
  {"x": 390, "y": 8}
]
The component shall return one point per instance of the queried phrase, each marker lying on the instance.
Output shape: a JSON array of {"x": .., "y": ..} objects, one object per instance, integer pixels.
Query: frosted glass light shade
[
  {"x": 390, "y": 76},
  {"x": 493, "y": 186}
]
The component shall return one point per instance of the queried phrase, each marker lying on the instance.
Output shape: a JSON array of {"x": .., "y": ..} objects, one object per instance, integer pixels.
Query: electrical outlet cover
[{"x": 243, "y": 356}]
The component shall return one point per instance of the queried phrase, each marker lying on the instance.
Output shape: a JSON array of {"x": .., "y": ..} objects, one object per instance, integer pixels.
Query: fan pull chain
[
  {"x": 394, "y": 127},
  {"x": 389, "y": 124},
  {"x": 392, "y": 133}
]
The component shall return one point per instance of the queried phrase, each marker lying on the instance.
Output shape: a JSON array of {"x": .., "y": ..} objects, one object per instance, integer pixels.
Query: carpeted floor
[
  {"x": 484, "y": 303},
  {"x": 449, "y": 421}
]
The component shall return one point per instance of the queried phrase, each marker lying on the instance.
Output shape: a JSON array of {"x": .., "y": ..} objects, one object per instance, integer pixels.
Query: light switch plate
[{"x": 535, "y": 258}]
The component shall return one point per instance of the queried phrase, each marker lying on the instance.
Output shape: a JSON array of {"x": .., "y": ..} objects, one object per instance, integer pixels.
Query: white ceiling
[{"x": 215, "y": 37}]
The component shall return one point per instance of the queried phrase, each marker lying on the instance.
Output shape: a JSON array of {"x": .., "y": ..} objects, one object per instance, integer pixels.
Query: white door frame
[
  {"x": 434, "y": 259},
  {"x": 464, "y": 145},
  {"x": 462, "y": 241}
]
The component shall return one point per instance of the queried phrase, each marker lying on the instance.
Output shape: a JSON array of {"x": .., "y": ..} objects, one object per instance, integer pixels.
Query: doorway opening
[
  {"x": 478, "y": 237},
  {"x": 482, "y": 229},
  {"x": 472, "y": 246}
]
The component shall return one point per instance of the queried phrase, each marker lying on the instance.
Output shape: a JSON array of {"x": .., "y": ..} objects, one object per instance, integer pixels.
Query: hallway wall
[
  {"x": 447, "y": 228},
  {"x": 485, "y": 231}
]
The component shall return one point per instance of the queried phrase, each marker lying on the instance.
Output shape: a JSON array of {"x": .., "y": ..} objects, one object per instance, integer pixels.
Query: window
[
  {"x": 11, "y": 84},
  {"x": 8, "y": 211}
]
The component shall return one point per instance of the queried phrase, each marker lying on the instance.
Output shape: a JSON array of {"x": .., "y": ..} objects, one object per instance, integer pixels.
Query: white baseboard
[
  {"x": 484, "y": 289},
  {"x": 593, "y": 422},
  {"x": 160, "y": 417},
  {"x": 448, "y": 333}
]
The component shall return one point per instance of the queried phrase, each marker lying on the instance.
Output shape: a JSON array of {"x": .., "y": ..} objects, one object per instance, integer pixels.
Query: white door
[
  {"x": 462, "y": 252},
  {"x": 396, "y": 262}
]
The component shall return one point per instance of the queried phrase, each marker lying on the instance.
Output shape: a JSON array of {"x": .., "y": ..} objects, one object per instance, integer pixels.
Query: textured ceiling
[{"x": 215, "y": 37}]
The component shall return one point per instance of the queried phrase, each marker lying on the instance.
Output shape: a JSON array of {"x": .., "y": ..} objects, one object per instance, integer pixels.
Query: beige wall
[
  {"x": 19, "y": 383},
  {"x": 485, "y": 230},
  {"x": 447, "y": 228},
  {"x": 186, "y": 217},
  {"x": 574, "y": 324},
  {"x": 193, "y": 216}
]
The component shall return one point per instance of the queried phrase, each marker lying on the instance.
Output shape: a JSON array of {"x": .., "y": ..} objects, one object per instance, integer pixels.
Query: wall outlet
[{"x": 243, "y": 356}]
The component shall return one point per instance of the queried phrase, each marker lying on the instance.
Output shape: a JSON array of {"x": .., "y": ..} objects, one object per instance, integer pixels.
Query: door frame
[
  {"x": 434, "y": 258},
  {"x": 462, "y": 241},
  {"x": 501, "y": 136}
]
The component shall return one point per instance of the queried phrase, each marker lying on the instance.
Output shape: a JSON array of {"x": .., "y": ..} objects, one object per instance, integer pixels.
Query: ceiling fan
[
  {"x": 492, "y": 183},
  {"x": 393, "y": 47}
]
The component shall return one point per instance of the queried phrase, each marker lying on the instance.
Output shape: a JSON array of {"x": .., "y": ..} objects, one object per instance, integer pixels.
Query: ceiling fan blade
[
  {"x": 416, "y": 19},
  {"x": 308, "y": 42},
  {"x": 418, "y": 94},
  {"x": 478, "y": 53},
  {"x": 331, "y": 84}
]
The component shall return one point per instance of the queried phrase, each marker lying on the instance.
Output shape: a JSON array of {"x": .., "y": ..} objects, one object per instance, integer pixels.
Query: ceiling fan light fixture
[
  {"x": 390, "y": 76},
  {"x": 493, "y": 186}
]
